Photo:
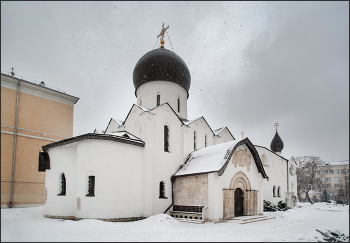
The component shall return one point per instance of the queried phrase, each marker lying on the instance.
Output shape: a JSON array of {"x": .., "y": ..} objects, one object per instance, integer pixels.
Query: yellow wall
[{"x": 40, "y": 121}]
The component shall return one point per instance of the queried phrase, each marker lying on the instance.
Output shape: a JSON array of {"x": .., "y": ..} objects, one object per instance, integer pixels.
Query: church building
[{"x": 158, "y": 160}]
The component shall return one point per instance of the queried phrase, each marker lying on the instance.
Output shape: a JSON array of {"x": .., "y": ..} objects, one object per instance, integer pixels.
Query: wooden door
[{"x": 239, "y": 199}]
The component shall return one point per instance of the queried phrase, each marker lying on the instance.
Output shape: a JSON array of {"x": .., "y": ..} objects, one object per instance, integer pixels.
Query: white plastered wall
[
  {"x": 117, "y": 170},
  {"x": 62, "y": 160},
  {"x": 276, "y": 170}
]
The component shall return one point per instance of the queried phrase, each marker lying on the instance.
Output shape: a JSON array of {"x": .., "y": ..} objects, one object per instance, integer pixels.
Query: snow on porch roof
[{"x": 215, "y": 158}]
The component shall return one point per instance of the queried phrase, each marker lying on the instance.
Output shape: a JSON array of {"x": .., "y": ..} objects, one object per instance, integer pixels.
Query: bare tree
[{"x": 307, "y": 175}]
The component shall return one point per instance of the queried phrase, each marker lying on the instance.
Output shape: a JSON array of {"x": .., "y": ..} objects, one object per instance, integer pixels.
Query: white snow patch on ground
[{"x": 295, "y": 225}]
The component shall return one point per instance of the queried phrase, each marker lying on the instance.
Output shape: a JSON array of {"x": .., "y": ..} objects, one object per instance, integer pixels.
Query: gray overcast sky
[{"x": 252, "y": 63}]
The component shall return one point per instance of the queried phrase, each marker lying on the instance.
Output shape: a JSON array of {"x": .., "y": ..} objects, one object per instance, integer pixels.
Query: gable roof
[{"x": 216, "y": 158}]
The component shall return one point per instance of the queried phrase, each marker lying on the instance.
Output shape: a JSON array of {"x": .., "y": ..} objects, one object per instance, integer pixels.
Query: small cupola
[{"x": 276, "y": 143}]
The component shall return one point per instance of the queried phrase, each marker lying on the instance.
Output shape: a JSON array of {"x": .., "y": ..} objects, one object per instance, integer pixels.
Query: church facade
[{"x": 159, "y": 161}]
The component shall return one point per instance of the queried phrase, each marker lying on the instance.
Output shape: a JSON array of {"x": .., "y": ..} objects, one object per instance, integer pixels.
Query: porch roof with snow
[
  {"x": 216, "y": 158},
  {"x": 121, "y": 137}
]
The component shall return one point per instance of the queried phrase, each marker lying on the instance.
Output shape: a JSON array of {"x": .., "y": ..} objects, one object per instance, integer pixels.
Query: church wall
[
  {"x": 224, "y": 181},
  {"x": 118, "y": 179},
  {"x": 191, "y": 190},
  {"x": 223, "y": 136},
  {"x": 276, "y": 169},
  {"x": 164, "y": 163},
  {"x": 202, "y": 129},
  {"x": 62, "y": 160},
  {"x": 168, "y": 91}
]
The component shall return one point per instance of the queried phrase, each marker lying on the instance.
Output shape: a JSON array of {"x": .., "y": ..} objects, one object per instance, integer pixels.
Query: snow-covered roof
[
  {"x": 119, "y": 122},
  {"x": 129, "y": 139},
  {"x": 215, "y": 158},
  {"x": 99, "y": 131},
  {"x": 143, "y": 108},
  {"x": 217, "y": 131},
  {"x": 187, "y": 122},
  {"x": 337, "y": 163},
  {"x": 124, "y": 134}
]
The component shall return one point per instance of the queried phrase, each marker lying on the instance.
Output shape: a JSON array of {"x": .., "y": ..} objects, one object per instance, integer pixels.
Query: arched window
[
  {"x": 162, "y": 189},
  {"x": 178, "y": 104},
  {"x": 194, "y": 140},
  {"x": 158, "y": 99},
  {"x": 279, "y": 192},
  {"x": 91, "y": 186},
  {"x": 63, "y": 185},
  {"x": 166, "y": 138},
  {"x": 274, "y": 191}
]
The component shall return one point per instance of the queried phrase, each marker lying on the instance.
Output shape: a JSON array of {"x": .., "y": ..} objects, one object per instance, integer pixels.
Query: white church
[{"x": 157, "y": 160}]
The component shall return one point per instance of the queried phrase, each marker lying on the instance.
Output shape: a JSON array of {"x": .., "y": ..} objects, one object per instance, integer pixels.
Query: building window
[
  {"x": 205, "y": 140},
  {"x": 166, "y": 138},
  {"x": 279, "y": 192},
  {"x": 327, "y": 179},
  {"x": 63, "y": 185},
  {"x": 158, "y": 99},
  {"x": 326, "y": 172},
  {"x": 44, "y": 161},
  {"x": 91, "y": 187},
  {"x": 178, "y": 104},
  {"x": 274, "y": 191},
  {"x": 331, "y": 172},
  {"x": 194, "y": 140},
  {"x": 337, "y": 171},
  {"x": 162, "y": 189}
]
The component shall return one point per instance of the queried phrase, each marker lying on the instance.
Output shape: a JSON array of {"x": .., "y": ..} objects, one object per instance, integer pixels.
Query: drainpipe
[{"x": 14, "y": 147}]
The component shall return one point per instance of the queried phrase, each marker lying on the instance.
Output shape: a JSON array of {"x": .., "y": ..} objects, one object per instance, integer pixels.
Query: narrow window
[
  {"x": 166, "y": 138},
  {"x": 44, "y": 161},
  {"x": 158, "y": 99},
  {"x": 162, "y": 189},
  {"x": 279, "y": 192},
  {"x": 91, "y": 186},
  {"x": 274, "y": 191},
  {"x": 205, "y": 140},
  {"x": 63, "y": 185},
  {"x": 194, "y": 140},
  {"x": 178, "y": 104}
]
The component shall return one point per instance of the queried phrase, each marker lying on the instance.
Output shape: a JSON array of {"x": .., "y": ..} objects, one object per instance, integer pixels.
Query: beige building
[
  {"x": 32, "y": 116},
  {"x": 333, "y": 176},
  {"x": 336, "y": 176}
]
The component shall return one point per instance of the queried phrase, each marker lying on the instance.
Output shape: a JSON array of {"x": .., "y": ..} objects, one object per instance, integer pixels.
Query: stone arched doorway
[{"x": 239, "y": 199}]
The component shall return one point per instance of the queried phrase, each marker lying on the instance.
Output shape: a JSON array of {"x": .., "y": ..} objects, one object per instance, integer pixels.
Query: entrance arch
[{"x": 239, "y": 199}]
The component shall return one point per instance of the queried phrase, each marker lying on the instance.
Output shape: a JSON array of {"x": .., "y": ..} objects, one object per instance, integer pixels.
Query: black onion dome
[
  {"x": 161, "y": 65},
  {"x": 276, "y": 143}
]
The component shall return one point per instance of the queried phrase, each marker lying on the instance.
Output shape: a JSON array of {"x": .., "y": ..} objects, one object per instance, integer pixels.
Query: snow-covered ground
[{"x": 298, "y": 224}]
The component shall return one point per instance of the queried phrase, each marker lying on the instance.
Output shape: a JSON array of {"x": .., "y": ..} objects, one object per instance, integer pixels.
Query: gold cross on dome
[
  {"x": 242, "y": 133},
  {"x": 276, "y": 125},
  {"x": 162, "y": 32}
]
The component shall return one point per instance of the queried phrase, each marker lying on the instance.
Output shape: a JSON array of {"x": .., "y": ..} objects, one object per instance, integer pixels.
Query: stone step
[
  {"x": 256, "y": 220},
  {"x": 248, "y": 219},
  {"x": 194, "y": 221}
]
